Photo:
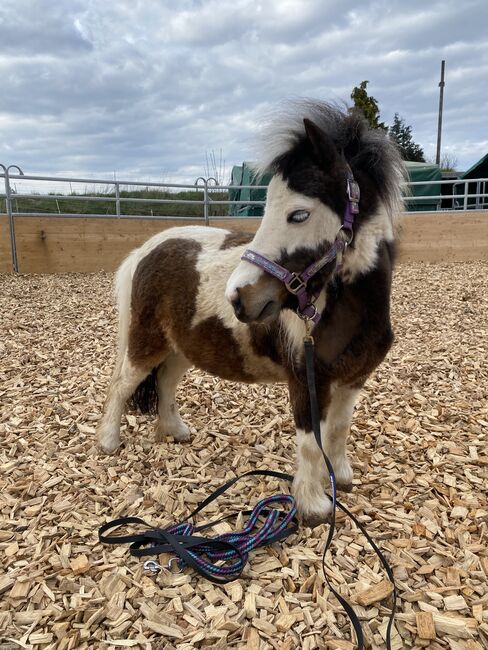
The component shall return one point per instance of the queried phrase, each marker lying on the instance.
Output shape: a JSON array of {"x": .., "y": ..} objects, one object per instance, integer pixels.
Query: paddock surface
[{"x": 419, "y": 453}]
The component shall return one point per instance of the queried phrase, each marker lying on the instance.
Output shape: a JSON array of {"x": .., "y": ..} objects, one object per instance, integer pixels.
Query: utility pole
[{"x": 439, "y": 124}]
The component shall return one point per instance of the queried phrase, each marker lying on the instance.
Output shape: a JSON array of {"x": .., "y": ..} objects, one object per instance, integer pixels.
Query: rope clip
[{"x": 155, "y": 567}]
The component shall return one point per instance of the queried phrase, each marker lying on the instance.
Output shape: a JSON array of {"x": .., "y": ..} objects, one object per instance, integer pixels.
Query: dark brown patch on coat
[
  {"x": 351, "y": 339},
  {"x": 164, "y": 291},
  {"x": 266, "y": 341},
  {"x": 300, "y": 400},
  {"x": 355, "y": 332},
  {"x": 235, "y": 238},
  {"x": 212, "y": 347}
]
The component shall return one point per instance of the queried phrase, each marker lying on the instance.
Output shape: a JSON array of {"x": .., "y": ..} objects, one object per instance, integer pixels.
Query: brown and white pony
[{"x": 186, "y": 298}]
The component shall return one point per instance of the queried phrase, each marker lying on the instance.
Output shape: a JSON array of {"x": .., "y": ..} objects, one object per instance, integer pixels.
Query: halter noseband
[{"x": 296, "y": 283}]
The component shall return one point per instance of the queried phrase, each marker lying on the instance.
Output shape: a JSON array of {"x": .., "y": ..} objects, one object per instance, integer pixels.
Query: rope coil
[{"x": 221, "y": 558}]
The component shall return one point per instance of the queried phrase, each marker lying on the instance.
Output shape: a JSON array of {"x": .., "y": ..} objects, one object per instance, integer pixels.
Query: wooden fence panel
[
  {"x": 5, "y": 257},
  {"x": 60, "y": 245},
  {"x": 443, "y": 237}
]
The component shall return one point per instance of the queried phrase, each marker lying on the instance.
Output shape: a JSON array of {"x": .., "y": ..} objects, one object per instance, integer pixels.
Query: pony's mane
[{"x": 365, "y": 149}]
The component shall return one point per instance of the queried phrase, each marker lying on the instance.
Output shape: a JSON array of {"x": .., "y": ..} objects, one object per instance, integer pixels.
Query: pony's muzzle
[
  {"x": 249, "y": 310},
  {"x": 258, "y": 302}
]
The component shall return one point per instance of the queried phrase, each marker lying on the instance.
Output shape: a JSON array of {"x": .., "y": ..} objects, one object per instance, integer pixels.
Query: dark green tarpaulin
[
  {"x": 243, "y": 175},
  {"x": 423, "y": 172}
]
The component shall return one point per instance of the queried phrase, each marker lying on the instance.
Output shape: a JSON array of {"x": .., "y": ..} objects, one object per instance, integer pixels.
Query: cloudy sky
[{"x": 145, "y": 88}]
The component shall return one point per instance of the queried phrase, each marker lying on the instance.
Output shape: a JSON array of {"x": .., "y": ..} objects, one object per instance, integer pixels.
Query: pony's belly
[{"x": 228, "y": 353}]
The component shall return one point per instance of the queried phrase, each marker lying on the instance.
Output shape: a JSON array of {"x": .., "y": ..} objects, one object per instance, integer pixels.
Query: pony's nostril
[{"x": 236, "y": 303}]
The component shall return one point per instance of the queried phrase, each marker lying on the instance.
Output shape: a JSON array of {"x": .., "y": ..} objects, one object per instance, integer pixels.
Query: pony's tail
[
  {"x": 123, "y": 293},
  {"x": 145, "y": 398}
]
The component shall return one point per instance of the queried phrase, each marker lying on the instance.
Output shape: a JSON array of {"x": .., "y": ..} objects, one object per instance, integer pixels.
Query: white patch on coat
[
  {"x": 362, "y": 257},
  {"x": 311, "y": 477},
  {"x": 125, "y": 379},
  {"x": 294, "y": 329},
  {"x": 170, "y": 373},
  {"x": 275, "y": 235},
  {"x": 214, "y": 269}
]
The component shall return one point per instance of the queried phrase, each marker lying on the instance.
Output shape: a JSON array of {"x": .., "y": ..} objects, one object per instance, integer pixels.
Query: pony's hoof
[
  {"x": 343, "y": 474},
  {"x": 313, "y": 505},
  {"x": 344, "y": 487},
  {"x": 177, "y": 430},
  {"x": 313, "y": 520},
  {"x": 108, "y": 447},
  {"x": 107, "y": 442}
]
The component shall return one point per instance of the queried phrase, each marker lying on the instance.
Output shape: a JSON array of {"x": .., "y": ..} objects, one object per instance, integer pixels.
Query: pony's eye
[{"x": 298, "y": 216}]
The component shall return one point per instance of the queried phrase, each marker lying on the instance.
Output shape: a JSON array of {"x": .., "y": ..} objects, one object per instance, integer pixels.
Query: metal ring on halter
[{"x": 305, "y": 317}]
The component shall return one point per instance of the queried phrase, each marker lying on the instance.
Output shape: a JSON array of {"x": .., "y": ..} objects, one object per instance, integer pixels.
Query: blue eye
[{"x": 298, "y": 216}]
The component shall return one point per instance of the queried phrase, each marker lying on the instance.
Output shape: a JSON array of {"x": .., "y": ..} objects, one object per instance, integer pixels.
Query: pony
[{"x": 191, "y": 296}]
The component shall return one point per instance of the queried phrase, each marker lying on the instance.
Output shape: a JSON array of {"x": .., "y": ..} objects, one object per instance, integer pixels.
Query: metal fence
[{"x": 208, "y": 200}]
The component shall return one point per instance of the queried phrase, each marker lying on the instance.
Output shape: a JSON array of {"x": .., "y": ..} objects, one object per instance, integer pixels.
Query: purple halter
[{"x": 296, "y": 283}]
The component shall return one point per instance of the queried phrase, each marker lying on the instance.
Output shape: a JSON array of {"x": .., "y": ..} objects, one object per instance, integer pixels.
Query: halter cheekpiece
[{"x": 296, "y": 283}]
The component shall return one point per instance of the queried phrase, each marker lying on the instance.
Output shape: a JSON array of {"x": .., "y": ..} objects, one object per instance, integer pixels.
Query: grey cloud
[
  {"x": 145, "y": 88},
  {"x": 25, "y": 30}
]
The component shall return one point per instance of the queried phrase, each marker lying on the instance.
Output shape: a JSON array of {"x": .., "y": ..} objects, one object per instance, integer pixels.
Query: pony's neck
[{"x": 362, "y": 256}]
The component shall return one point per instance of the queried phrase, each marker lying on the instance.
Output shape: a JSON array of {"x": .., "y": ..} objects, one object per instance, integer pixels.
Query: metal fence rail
[{"x": 25, "y": 187}]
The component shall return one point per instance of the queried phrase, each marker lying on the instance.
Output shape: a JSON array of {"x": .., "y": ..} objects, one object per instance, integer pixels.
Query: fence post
[
  {"x": 10, "y": 215},
  {"x": 205, "y": 198},
  {"x": 465, "y": 195},
  {"x": 117, "y": 199}
]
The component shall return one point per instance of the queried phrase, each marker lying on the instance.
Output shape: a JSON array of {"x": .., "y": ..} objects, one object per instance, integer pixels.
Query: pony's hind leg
[
  {"x": 126, "y": 378},
  {"x": 170, "y": 373}
]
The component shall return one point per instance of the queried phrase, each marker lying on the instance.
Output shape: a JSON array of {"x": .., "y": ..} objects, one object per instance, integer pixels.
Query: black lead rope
[{"x": 188, "y": 547}]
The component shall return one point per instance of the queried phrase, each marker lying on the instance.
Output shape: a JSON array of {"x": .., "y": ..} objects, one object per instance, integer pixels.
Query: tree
[
  {"x": 367, "y": 105},
  {"x": 401, "y": 133},
  {"x": 448, "y": 162}
]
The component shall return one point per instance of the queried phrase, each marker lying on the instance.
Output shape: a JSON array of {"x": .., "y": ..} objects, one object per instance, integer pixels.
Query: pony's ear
[{"x": 323, "y": 146}]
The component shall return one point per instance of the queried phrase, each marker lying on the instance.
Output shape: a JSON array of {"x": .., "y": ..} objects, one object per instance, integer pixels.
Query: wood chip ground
[{"x": 419, "y": 451}]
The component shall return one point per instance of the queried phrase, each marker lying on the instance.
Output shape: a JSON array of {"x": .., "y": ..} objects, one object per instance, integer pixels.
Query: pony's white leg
[
  {"x": 170, "y": 373},
  {"x": 125, "y": 380},
  {"x": 308, "y": 486},
  {"x": 336, "y": 429},
  {"x": 311, "y": 478}
]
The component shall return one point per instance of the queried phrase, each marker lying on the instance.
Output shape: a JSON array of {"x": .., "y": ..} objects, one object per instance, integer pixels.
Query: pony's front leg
[
  {"x": 335, "y": 430},
  {"x": 308, "y": 488}
]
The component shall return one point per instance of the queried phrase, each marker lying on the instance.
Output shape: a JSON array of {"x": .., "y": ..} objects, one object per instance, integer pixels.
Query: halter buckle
[
  {"x": 295, "y": 284},
  {"x": 353, "y": 191},
  {"x": 353, "y": 194}
]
